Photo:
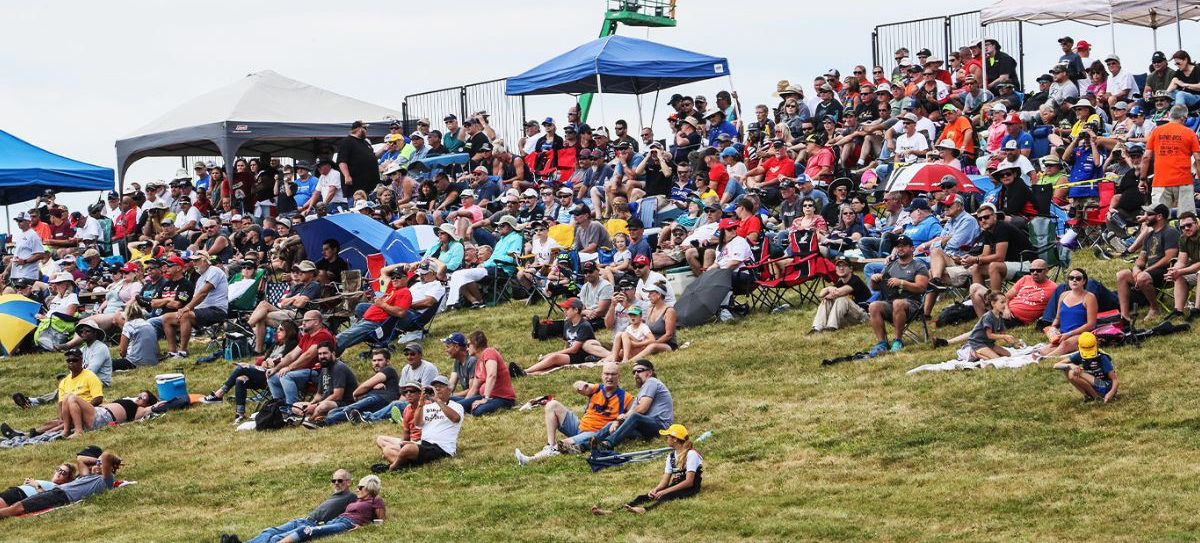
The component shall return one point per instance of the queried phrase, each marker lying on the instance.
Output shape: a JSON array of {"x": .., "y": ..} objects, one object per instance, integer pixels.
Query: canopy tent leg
[
  {"x": 600, "y": 91},
  {"x": 1178, "y": 32},
  {"x": 641, "y": 123},
  {"x": 737, "y": 109},
  {"x": 654, "y": 109},
  {"x": 1112, "y": 29},
  {"x": 983, "y": 51}
]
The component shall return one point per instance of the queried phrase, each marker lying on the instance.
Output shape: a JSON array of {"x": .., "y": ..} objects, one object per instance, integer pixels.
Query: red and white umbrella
[{"x": 925, "y": 177}]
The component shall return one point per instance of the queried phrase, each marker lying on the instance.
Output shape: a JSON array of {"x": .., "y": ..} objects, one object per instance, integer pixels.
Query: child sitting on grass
[
  {"x": 1090, "y": 370},
  {"x": 681, "y": 475},
  {"x": 990, "y": 327}
]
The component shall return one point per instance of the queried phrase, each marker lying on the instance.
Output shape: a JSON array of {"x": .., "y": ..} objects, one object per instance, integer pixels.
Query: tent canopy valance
[
  {"x": 27, "y": 170},
  {"x": 262, "y": 113},
  {"x": 617, "y": 65},
  {"x": 1147, "y": 13}
]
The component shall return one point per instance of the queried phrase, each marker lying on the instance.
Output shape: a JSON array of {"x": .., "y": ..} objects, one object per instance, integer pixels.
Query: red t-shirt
[
  {"x": 1031, "y": 298},
  {"x": 398, "y": 297},
  {"x": 818, "y": 162},
  {"x": 751, "y": 225},
  {"x": 718, "y": 177},
  {"x": 410, "y": 422},
  {"x": 776, "y": 167},
  {"x": 503, "y": 387},
  {"x": 306, "y": 341}
]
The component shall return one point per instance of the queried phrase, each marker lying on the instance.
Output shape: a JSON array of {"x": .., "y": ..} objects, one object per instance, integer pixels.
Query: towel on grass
[
  {"x": 1019, "y": 358},
  {"x": 21, "y": 441}
]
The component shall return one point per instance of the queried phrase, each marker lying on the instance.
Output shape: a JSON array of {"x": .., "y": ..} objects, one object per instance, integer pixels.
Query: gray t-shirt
[
  {"x": 907, "y": 272},
  {"x": 143, "y": 342},
  {"x": 219, "y": 295},
  {"x": 591, "y": 296},
  {"x": 332, "y": 507},
  {"x": 88, "y": 485},
  {"x": 465, "y": 371},
  {"x": 424, "y": 373},
  {"x": 1158, "y": 243},
  {"x": 978, "y": 336},
  {"x": 98, "y": 360},
  {"x": 662, "y": 406},
  {"x": 594, "y": 232}
]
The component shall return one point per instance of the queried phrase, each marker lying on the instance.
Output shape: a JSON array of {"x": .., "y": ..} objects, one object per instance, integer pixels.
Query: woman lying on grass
[
  {"x": 85, "y": 417},
  {"x": 367, "y": 508},
  {"x": 681, "y": 476},
  {"x": 63, "y": 473}
]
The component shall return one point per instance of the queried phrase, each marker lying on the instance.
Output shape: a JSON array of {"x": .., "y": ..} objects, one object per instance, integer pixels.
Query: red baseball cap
[
  {"x": 176, "y": 261},
  {"x": 571, "y": 302},
  {"x": 951, "y": 199},
  {"x": 727, "y": 223},
  {"x": 1083, "y": 45},
  {"x": 1013, "y": 119},
  {"x": 641, "y": 260}
]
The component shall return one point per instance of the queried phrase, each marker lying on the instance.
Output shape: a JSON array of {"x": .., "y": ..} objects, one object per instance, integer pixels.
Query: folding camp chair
[
  {"x": 802, "y": 274},
  {"x": 1043, "y": 237},
  {"x": 1092, "y": 224}
]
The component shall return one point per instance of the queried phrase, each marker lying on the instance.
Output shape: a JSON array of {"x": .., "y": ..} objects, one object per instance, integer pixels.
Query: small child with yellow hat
[{"x": 1090, "y": 370}]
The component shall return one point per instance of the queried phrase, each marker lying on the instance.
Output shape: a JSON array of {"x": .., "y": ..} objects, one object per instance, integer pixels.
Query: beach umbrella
[
  {"x": 18, "y": 317},
  {"x": 926, "y": 177}
]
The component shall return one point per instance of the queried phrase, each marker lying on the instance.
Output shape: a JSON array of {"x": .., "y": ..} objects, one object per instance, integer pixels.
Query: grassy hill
[{"x": 858, "y": 451}]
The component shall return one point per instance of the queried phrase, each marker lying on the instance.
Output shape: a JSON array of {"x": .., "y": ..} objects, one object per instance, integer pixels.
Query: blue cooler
[{"x": 171, "y": 385}]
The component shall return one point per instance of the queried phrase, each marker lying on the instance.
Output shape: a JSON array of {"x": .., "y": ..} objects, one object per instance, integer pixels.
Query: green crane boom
[{"x": 649, "y": 13}]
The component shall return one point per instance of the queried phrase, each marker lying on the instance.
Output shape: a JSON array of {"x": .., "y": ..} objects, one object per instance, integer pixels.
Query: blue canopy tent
[
  {"x": 359, "y": 236},
  {"x": 617, "y": 65},
  {"x": 27, "y": 170}
]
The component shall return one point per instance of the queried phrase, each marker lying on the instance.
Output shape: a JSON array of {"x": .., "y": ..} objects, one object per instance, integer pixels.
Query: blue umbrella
[
  {"x": 359, "y": 237},
  {"x": 18, "y": 317}
]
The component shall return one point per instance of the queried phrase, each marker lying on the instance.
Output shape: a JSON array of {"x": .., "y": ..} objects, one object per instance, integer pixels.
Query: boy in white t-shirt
[{"x": 440, "y": 423}]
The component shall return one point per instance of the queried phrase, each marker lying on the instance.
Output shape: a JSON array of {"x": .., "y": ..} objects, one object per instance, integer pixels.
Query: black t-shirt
[
  {"x": 657, "y": 184},
  {"x": 1131, "y": 199},
  {"x": 1016, "y": 199},
  {"x": 580, "y": 332},
  {"x": 477, "y": 144},
  {"x": 1001, "y": 65},
  {"x": 530, "y": 214},
  {"x": 861, "y": 292},
  {"x": 180, "y": 290},
  {"x": 867, "y": 111},
  {"x": 439, "y": 195},
  {"x": 338, "y": 376},
  {"x": 1190, "y": 79},
  {"x": 1018, "y": 240},
  {"x": 680, "y": 154},
  {"x": 334, "y": 268},
  {"x": 832, "y": 108},
  {"x": 391, "y": 385},
  {"x": 360, "y": 159}
]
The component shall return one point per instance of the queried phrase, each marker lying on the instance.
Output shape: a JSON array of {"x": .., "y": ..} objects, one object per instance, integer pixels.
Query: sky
[{"x": 80, "y": 75}]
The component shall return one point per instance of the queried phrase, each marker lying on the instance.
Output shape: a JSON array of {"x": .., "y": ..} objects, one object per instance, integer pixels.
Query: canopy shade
[
  {"x": 1147, "y": 13},
  {"x": 624, "y": 65},
  {"x": 359, "y": 237},
  {"x": 263, "y": 113},
  {"x": 27, "y": 170}
]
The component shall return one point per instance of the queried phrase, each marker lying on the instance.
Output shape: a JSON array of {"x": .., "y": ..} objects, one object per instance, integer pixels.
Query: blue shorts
[{"x": 1101, "y": 386}]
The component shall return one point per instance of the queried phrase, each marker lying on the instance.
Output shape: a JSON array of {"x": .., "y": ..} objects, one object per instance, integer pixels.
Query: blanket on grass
[{"x": 1019, "y": 358}]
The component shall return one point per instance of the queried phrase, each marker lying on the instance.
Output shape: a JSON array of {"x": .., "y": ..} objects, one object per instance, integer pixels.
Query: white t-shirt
[
  {"x": 218, "y": 296},
  {"x": 420, "y": 291},
  {"x": 692, "y": 464},
  {"x": 331, "y": 179},
  {"x": 641, "y": 333},
  {"x": 621, "y": 319},
  {"x": 915, "y": 142},
  {"x": 26, "y": 244},
  {"x": 89, "y": 231},
  {"x": 737, "y": 250},
  {"x": 541, "y": 250},
  {"x": 192, "y": 216},
  {"x": 439, "y": 429},
  {"x": 59, "y": 304},
  {"x": 737, "y": 171},
  {"x": 1121, "y": 81},
  {"x": 655, "y": 278}
]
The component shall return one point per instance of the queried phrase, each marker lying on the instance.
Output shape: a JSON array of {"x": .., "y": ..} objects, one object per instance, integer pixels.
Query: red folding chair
[
  {"x": 1091, "y": 226},
  {"x": 802, "y": 274}
]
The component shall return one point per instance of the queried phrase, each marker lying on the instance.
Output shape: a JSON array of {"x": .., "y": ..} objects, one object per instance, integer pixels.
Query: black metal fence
[
  {"x": 506, "y": 113},
  {"x": 941, "y": 35}
]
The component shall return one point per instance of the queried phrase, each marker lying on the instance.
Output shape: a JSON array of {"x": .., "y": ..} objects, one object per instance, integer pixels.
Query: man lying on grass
[
  {"x": 79, "y": 382},
  {"x": 101, "y": 469},
  {"x": 329, "y": 509}
]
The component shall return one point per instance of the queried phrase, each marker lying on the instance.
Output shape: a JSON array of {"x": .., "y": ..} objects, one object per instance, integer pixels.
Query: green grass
[{"x": 858, "y": 451}]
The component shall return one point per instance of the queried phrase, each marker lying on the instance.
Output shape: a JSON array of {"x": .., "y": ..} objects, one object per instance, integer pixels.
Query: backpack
[
  {"x": 271, "y": 415},
  {"x": 954, "y": 314}
]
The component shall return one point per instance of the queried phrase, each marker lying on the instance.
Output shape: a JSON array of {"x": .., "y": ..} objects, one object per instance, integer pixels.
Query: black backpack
[
  {"x": 271, "y": 415},
  {"x": 954, "y": 314}
]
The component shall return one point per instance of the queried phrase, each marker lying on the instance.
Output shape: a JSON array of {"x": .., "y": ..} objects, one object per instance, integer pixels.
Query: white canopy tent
[
  {"x": 1147, "y": 13},
  {"x": 262, "y": 113}
]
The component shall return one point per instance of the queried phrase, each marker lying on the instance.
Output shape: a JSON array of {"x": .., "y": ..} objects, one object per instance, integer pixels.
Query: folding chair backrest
[
  {"x": 351, "y": 280},
  {"x": 804, "y": 243},
  {"x": 1043, "y": 236},
  {"x": 375, "y": 265},
  {"x": 564, "y": 234},
  {"x": 1099, "y": 214}
]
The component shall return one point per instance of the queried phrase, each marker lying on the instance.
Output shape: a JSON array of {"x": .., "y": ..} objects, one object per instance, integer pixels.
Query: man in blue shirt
[
  {"x": 717, "y": 125},
  {"x": 202, "y": 178},
  {"x": 947, "y": 250},
  {"x": 1016, "y": 131}
]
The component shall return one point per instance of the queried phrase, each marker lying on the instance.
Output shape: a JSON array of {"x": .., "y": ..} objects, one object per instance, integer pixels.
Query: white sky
[{"x": 80, "y": 75}]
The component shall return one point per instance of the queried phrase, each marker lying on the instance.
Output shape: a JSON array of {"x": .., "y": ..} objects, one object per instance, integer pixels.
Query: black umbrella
[{"x": 702, "y": 299}]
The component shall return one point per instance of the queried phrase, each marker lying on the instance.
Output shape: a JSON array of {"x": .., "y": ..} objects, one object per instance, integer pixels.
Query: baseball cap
[
  {"x": 306, "y": 266},
  {"x": 952, "y": 199},
  {"x": 727, "y": 223},
  {"x": 841, "y": 259},
  {"x": 1088, "y": 347},
  {"x": 641, "y": 260},
  {"x": 455, "y": 338},
  {"x": 175, "y": 260},
  {"x": 918, "y": 203},
  {"x": 1112, "y": 58},
  {"x": 948, "y": 181},
  {"x": 1083, "y": 44},
  {"x": 1160, "y": 209},
  {"x": 547, "y": 121},
  {"x": 1066, "y": 39},
  {"x": 22, "y": 216},
  {"x": 729, "y": 151},
  {"x": 1158, "y": 56},
  {"x": 677, "y": 431},
  {"x": 570, "y": 303},
  {"x": 635, "y": 310},
  {"x": 903, "y": 240},
  {"x": 414, "y": 347},
  {"x": 588, "y": 267},
  {"x": 440, "y": 380},
  {"x": 1010, "y": 145},
  {"x": 1013, "y": 119},
  {"x": 645, "y": 364}
]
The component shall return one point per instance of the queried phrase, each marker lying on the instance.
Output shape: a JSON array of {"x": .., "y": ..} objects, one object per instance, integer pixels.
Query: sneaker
[
  {"x": 521, "y": 458},
  {"x": 177, "y": 354},
  {"x": 1087, "y": 400},
  {"x": 21, "y": 400},
  {"x": 397, "y": 415},
  {"x": 1174, "y": 314},
  {"x": 355, "y": 416},
  {"x": 239, "y": 418},
  {"x": 878, "y": 349},
  {"x": 311, "y": 425},
  {"x": 897, "y": 345},
  {"x": 8, "y": 432},
  {"x": 212, "y": 398},
  {"x": 153, "y": 415},
  {"x": 380, "y": 468},
  {"x": 1192, "y": 314},
  {"x": 478, "y": 305},
  {"x": 1101, "y": 254}
]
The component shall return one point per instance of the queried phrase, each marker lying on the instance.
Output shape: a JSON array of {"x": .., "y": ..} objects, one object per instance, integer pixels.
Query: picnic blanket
[
  {"x": 116, "y": 485},
  {"x": 21, "y": 441},
  {"x": 1019, "y": 358}
]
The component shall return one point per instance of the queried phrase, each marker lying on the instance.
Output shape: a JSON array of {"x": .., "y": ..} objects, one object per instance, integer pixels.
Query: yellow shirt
[
  {"x": 85, "y": 385},
  {"x": 1075, "y": 130}
]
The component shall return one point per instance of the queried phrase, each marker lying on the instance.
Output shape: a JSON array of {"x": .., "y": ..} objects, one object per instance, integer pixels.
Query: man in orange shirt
[
  {"x": 605, "y": 401},
  {"x": 1174, "y": 149},
  {"x": 958, "y": 129}
]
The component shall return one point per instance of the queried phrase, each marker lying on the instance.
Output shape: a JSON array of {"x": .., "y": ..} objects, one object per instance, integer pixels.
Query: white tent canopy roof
[
  {"x": 1147, "y": 13},
  {"x": 267, "y": 96}
]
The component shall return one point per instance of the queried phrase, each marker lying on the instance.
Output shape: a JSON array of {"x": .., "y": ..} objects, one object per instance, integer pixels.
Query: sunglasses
[
  {"x": 809, "y": 205},
  {"x": 63, "y": 471},
  {"x": 848, "y": 213},
  {"x": 336, "y": 481},
  {"x": 360, "y": 487},
  {"x": 639, "y": 266},
  {"x": 1074, "y": 278},
  {"x": 1036, "y": 270},
  {"x": 982, "y": 217},
  {"x": 639, "y": 370}
]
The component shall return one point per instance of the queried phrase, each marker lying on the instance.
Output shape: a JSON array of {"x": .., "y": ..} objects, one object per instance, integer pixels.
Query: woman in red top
[
  {"x": 495, "y": 390},
  {"x": 749, "y": 225}
]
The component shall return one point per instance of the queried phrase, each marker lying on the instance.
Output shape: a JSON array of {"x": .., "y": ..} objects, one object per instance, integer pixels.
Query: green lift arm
[{"x": 649, "y": 13}]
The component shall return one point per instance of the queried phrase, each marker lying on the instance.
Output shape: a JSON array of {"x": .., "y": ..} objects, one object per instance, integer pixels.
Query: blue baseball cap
[
  {"x": 918, "y": 203},
  {"x": 803, "y": 178},
  {"x": 729, "y": 151},
  {"x": 455, "y": 338},
  {"x": 1135, "y": 110},
  {"x": 548, "y": 120}
]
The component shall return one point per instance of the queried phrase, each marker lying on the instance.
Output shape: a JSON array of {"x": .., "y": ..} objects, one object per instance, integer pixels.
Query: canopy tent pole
[
  {"x": 983, "y": 51},
  {"x": 1178, "y": 32},
  {"x": 641, "y": 124},
  {"x": 1112, "y": 29},
  {"x": 600, "y": 91},
  {"x": 653, "y": 110},
  {"x": 737, "y": 110}
]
